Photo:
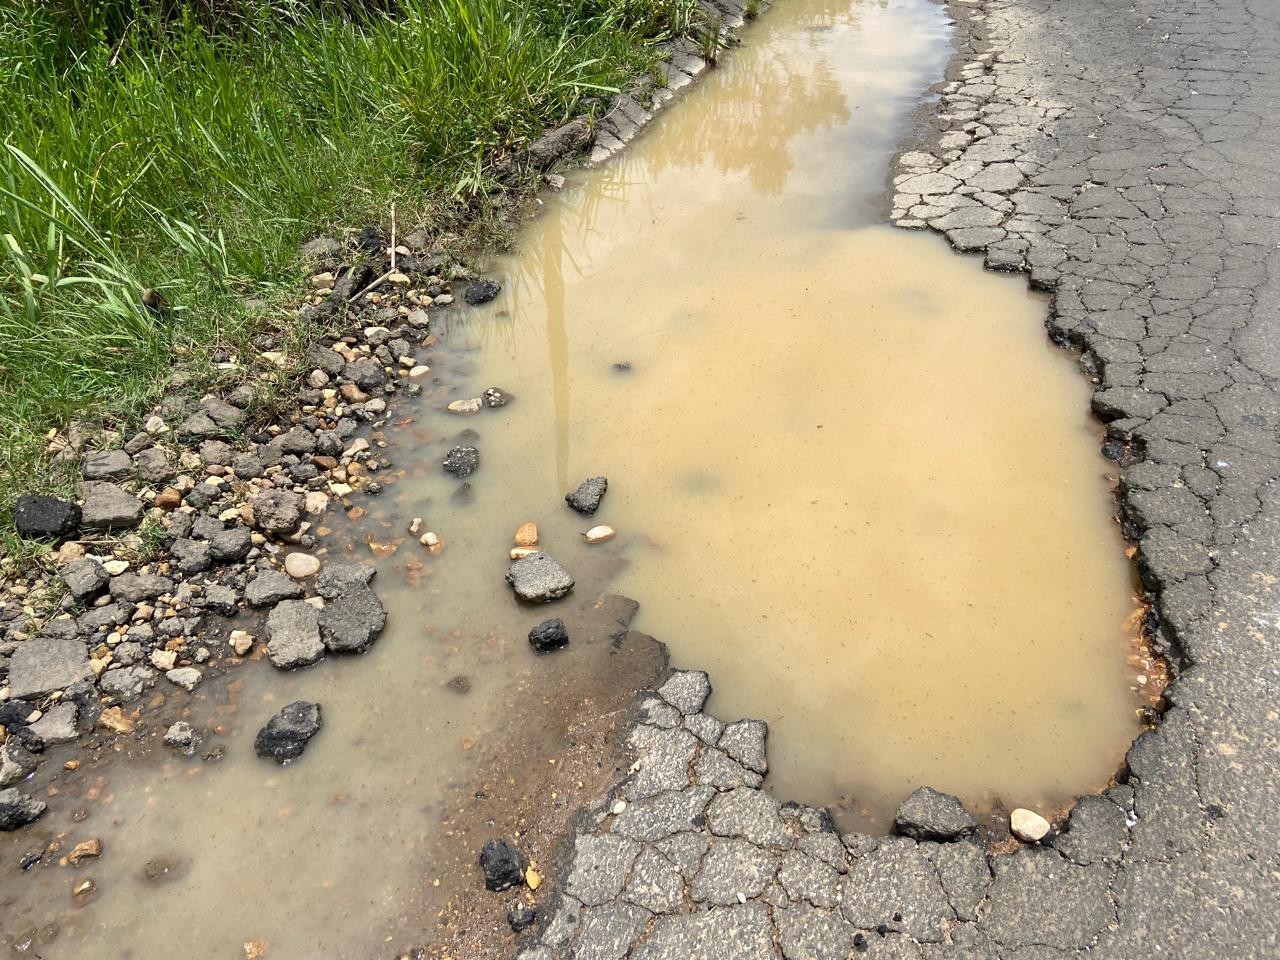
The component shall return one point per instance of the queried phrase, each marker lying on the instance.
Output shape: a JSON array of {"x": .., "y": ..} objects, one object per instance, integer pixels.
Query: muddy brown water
[{"x": 851, "y": 479}]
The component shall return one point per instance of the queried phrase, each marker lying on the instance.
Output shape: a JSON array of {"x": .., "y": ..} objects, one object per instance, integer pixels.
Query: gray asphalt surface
[{"x": 1124, "y": 155}]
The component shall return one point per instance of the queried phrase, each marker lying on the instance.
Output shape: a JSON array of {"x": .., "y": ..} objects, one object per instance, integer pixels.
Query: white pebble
[
  {"x": 600, "y": 534},
  {"x": 301, "y": 565},
  {"x": 1027, "y": 825}
]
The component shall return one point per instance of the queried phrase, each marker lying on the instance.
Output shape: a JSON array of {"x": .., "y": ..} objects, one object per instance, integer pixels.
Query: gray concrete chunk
[{"x": 45, "y": 664}]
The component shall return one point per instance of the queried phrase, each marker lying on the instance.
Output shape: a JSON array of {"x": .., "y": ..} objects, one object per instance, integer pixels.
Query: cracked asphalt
[{"x": 1124, "y": 156}]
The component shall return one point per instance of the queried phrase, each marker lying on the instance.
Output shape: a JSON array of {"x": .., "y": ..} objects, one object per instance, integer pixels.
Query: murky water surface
[{"x": 851, "y": 479}]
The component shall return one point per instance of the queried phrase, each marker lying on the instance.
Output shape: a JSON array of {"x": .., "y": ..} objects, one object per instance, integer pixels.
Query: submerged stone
[
  {"x": 586, "y": 499},
  {"x": 481, "y": 291},
  {"x": 462, "y": 461},
  {"x": 18, "y": 809},
  {"x": 286, "y": 734},
  {"x": 539, "y": 579},
  {"x": 549, "y": 635}
]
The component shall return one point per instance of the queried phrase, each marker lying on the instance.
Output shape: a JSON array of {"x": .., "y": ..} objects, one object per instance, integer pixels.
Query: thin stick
[
  {"x": 393, "y": 236},
  {"x": 357, "y": 296}
]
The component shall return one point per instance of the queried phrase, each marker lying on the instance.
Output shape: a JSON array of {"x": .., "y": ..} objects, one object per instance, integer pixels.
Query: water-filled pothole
[{"x": 853, "y": 478}]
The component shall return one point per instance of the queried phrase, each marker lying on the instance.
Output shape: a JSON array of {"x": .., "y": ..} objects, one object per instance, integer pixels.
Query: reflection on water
[{"x": 851, "y": 476}]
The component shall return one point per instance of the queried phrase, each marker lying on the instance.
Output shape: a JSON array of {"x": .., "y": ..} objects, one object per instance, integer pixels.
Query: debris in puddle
[
  {"x": 539, "y": 578},
  {"x": 84, "y": 891},
  {"x": 503, "y": 865},
  {"x": 622, "y": 366},
  {"x": 415, "y": 525},
  {"x": 241, "y": 642},
  {"x": 459, "y": 684},
  {"x": 495, "y": 397},
  {"x": 481, "y": 291},
  {"x": 586, "y": 499},
  {"x": 466, "y": 407},
  {"x": 254, "y": 949},
  {"x": 526, "y": 534},
  {"x": 549, "y": 635},
  {"x": 17, "y": 809},
  {"x": 115, "y": 720},
  {"x": 430, "y": 539},
  {"x": 285, "y": 735},
  {"x": 1028, "y": 826},
  {"x": 599, "y": 534},
  {"x": 85, "y": 850},
  {"x": 181, "y": 736},
  {"x": 462, "y": 461},
  {"x": 519, "y": 553}
]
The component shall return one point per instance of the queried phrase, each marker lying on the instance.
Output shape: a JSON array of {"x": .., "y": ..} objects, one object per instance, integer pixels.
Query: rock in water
[
  {"x": 18, "y": 809},
  {"x": 481, "y": 291},
  {"x": 286, "y": 734},
  {"x": 929, "y": 814},
  {"x": 586, "y": 499},
  {"x": 16, "y": 762},
  {"x": 181, "y": 736},
  {"x": 503, "y": 865},
  {"x": 351, "y": 622},
  {"x": 38, "y": 517},
  {"x": 294, "y": 629},
  {"x": 495, "y": 397},
  {"x": 462, "y": 461},
  {"x": 549, "y": 635},
  {"x": 539, "y": 579},
  {"x": 599, "y": 534},
  {"x": 1027, "y": 825}
]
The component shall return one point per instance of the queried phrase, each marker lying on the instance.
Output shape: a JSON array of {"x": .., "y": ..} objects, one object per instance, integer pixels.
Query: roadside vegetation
[{"x": 189, "y": 147}]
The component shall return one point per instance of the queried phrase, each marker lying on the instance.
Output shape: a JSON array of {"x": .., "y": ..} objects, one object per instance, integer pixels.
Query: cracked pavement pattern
[{"x": 1124, "y": 156}]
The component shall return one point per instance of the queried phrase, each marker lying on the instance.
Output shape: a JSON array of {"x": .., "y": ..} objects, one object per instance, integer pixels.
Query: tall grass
[{"x": 190, "y": 146}]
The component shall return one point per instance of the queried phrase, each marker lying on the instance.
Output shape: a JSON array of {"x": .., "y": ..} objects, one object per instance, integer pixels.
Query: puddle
[{"x": 851, "y": 478}]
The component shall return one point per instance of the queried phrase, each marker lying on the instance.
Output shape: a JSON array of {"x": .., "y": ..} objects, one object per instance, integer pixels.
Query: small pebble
[
  {"x": 301, "y": 565},
  {"x": 429, "y": 539},
  {"x": 1027, "y": 825},
  {"x": 473, "y": 405},
  {"x": 599, "y": 534},
  {"x": 526, "y": 535}
]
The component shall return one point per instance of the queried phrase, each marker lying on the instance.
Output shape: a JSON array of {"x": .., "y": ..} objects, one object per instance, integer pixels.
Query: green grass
[{"x": 190, "y": 147}]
